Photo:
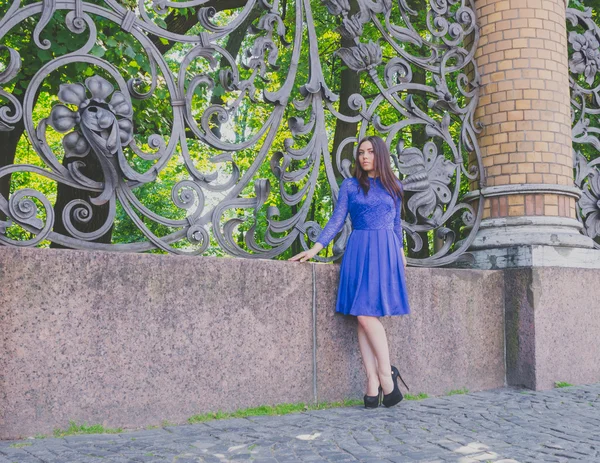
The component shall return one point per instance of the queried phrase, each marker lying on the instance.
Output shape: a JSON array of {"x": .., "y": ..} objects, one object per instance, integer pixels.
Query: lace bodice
[{"x": 377, "y": 210}]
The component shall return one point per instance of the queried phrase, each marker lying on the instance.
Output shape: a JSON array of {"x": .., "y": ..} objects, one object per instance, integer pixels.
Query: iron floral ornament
[
  {"x": 590, "y": 205},
  {"x": 103, "y": 129},
  {"x": 586, "y": 59}
]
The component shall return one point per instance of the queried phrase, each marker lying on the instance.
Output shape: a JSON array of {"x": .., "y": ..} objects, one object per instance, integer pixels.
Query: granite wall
[{"x": 130, "y": 340}]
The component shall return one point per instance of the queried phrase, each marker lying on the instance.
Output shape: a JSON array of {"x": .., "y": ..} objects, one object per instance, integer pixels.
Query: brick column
[{"x": 526, "y": 141}]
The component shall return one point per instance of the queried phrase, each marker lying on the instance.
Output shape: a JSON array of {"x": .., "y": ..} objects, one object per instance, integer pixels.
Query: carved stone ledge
[
  {"x": 530, "y": 231},
  {"x": 524, "y": 189}
]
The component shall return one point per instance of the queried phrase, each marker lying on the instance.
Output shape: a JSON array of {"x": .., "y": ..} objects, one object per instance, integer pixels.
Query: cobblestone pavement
[{"x": 493, "y": 426}]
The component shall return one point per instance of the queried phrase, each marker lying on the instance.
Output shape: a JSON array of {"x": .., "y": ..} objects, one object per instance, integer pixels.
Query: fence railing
[{"x": 211, "y": 127}]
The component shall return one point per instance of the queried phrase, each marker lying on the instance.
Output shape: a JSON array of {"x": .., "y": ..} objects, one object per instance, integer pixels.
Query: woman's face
[{"x": 366, "y": 157}]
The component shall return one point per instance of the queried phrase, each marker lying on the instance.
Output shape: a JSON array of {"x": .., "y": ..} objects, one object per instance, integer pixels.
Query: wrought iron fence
[
  {"x": 246, "y": 111},
  {"x": 584, "y": 62}
]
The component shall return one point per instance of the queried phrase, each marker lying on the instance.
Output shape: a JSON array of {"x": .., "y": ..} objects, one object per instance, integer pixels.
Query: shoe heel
[
  {"x": 395, "y": 370},
  {"x": 405, "y": 385}
]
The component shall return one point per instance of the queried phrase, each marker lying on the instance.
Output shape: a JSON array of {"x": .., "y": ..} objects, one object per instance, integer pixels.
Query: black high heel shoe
[
  {"x": 394, "y": 397},
  {"x": 372, "y": 401}
]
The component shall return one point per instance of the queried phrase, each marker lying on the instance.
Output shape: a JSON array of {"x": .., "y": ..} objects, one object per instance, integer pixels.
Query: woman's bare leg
[
  {"x": 369, "y": 360},
  {"x": 375, "y": 333}
]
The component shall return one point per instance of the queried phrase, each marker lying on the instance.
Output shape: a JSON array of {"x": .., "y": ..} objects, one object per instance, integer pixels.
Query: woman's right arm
[{"x": 333, "y": 227}]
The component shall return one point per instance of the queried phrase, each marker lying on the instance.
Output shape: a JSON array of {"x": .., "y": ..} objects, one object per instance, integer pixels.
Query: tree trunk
[
  {"x": 179, "y": 24},
  {"x": 234, "y": 44},
  {"x": 419, "y": 138},
  {"x": 349, "y": 84},
  {"x": 8, "y": 150},
  {"x": 65, "y": 194}
]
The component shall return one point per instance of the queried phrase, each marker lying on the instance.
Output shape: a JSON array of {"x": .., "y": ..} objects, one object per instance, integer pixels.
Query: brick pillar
[{"x": 526, "y": 141}]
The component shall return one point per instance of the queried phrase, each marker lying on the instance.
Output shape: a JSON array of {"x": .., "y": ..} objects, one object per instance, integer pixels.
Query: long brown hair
[{"x": 382, "y": 166}]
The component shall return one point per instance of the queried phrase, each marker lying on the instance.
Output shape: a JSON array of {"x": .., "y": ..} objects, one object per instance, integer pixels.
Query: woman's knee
[{"x": 365, "y": 321}]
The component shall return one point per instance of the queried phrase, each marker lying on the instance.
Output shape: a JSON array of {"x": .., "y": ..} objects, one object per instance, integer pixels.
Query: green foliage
[
  {"x": 593, "y": 4},
  {"x": 419, "y": 396},
  {"x": 458, "y": 391}
]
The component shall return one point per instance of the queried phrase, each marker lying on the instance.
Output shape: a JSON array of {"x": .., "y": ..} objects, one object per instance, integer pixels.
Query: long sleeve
[
  {"x": 336, "y": 222},
  {"x": 398, "y": 218}
]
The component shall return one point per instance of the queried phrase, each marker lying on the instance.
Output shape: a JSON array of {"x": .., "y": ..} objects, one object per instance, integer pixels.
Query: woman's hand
[{"x": 307, "y": 255}]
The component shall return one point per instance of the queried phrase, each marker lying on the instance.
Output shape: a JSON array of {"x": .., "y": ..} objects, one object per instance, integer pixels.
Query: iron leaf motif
[
  {"x": 362, "y": 57},
  {"x": 428, "y": 175}
]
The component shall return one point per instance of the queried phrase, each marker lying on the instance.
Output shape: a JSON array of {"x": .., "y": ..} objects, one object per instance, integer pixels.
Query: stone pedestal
[
  {"x": 552, "y": 326},
  {"x": 533, "y": 241},
  {"x": 535, "y": 256}
]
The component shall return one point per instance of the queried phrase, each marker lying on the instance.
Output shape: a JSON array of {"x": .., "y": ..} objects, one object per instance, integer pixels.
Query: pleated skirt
[{"x": 372, "y": 279}]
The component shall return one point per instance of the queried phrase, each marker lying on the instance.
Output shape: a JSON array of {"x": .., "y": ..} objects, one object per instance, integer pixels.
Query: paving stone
[{"x": 500, "y": 426}]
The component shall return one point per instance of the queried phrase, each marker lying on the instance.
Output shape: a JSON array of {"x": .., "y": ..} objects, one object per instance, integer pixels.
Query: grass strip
[
  {"x": 419, "y": 396},
  {"x": 562, "y": 384},
  {"x": 268, "y": 410},
  {"x": 75, "y": 429}
]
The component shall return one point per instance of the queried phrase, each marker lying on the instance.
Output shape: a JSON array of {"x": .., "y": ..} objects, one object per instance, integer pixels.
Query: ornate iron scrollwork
[
  {"x": 387, "y": 42},
  {"x": 584, "y": 62}
]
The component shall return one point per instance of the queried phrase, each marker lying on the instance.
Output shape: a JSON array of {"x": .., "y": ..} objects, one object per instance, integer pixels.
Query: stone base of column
[
  {"x": 534, "y": 256},
  {"x": 552, "y": 326},
  {"x": 536, "y": 241}
]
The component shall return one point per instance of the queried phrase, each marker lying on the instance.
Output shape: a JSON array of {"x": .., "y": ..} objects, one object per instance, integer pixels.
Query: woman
[{"x": 372, "y": 282}]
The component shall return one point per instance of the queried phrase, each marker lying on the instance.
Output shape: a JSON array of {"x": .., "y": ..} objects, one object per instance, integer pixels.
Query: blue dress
[{"x": 372, "y": 280}]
